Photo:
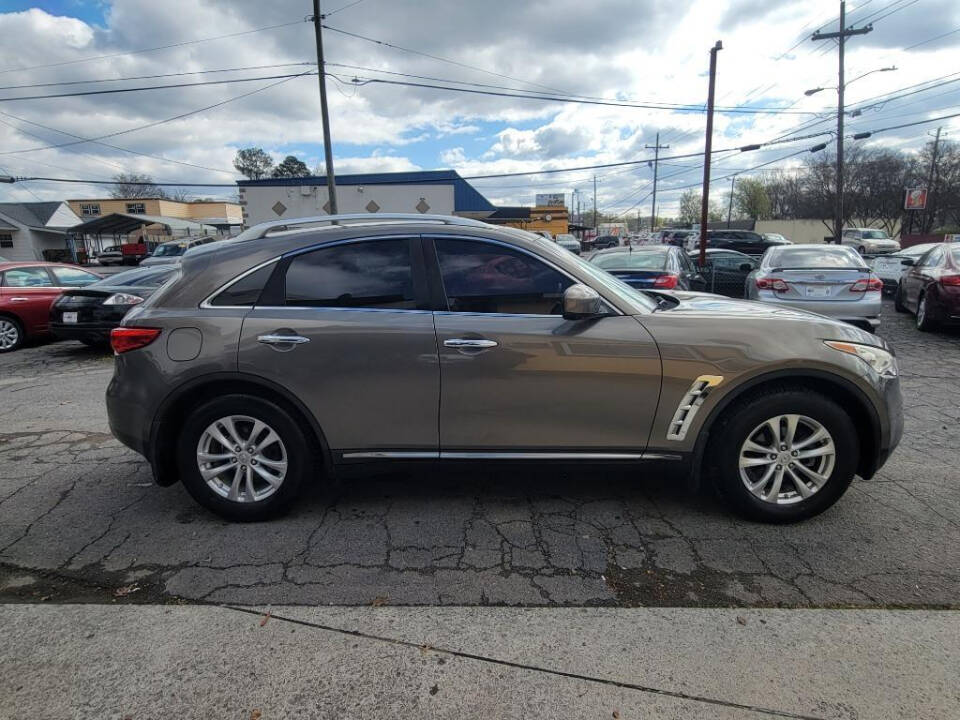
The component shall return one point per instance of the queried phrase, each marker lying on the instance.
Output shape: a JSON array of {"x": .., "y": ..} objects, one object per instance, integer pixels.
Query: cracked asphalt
[{"x": 81, "y": 520}]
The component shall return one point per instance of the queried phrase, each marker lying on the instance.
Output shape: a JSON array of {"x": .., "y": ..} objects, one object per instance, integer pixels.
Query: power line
[
  {"x": 437, "y": 57},
  {"x": 348, "y": 5},
  {"x": 151, "y": 49},
  {"x": 151, "y": 77},
  {"x": 557, "y": 98},
  {"x": 156, "y": 122},
  {"x": 156, "y": 87},
  {"x": 938, "y": 37}
]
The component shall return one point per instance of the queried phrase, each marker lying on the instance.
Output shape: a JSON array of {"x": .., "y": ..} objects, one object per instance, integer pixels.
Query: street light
[
  {"x": 841, "y": 111},
  {"x": 814, "y": 91}
]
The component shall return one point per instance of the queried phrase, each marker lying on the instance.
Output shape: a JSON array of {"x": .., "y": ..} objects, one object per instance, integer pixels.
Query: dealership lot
[{"x": 80, "y": 519}]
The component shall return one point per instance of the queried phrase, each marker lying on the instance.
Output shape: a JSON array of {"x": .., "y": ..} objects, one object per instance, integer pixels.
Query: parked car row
[{"x": 39, "y": 298}]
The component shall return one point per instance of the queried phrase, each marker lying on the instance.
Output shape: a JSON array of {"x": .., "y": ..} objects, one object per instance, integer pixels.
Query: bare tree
[{"x": 135, "y": 186}]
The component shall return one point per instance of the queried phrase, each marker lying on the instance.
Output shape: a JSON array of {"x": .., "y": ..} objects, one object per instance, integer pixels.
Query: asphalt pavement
[{"x": 81, "y": 520}]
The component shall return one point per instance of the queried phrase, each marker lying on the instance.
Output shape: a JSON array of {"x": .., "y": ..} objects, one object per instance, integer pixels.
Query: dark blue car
[{"x": 648, "y": 267}]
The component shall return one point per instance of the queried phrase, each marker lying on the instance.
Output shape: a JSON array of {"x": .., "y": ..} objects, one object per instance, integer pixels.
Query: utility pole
[
  {"x": 595, "y": 206},
  {"x": 928, "y": 221},
  {"x": 656, "y": 161},
  {"x": 324, "y": 116},
  {"x": 840, "y": 36},
  {"x": 707, "y": 151},
  {"x": 730, "y": 203}
]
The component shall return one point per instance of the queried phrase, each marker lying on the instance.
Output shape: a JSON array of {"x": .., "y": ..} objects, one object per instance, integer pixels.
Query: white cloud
[{"x": 655, "y": 50}]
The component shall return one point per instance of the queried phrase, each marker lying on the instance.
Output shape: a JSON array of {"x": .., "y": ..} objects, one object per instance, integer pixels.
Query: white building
[
  {"x": 437, "y": 192},
  {"x": 29, "y": 228}
]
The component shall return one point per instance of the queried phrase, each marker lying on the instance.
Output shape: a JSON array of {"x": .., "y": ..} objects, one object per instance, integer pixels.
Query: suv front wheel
[
  {"x": 787, "y": 455},
  {"x": 243, "y": 457}
]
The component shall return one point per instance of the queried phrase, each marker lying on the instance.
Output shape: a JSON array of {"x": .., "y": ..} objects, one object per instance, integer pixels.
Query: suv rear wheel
[
  {"x": 243, "y": 457},
  {"x": 787, "y": 455}
]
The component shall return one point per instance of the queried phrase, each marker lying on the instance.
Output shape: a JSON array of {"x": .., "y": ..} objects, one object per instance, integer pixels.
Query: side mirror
[
  {"x": 746, "y": 267},
  {"x": 581, "y": 302},
  {"x": 908, "y": 262}
]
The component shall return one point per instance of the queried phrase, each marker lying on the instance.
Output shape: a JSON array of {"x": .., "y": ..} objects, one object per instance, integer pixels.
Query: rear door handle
[
  {"x": 19, "y": 299},
  {"x": 282, "y": 339},
  {"x": 469, "y": 343}
]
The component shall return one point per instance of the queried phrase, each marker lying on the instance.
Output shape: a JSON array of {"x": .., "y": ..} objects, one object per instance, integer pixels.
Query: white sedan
[{"x": 889, "y": 268}]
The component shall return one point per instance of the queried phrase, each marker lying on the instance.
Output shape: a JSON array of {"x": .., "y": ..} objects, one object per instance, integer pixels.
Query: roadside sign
[
  {"x": 551, "y": 200},
  {"x": 916, "y": 199}
]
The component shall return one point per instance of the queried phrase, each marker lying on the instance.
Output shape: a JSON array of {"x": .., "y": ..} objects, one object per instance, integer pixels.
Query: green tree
[
  {"x": 690, "y": 204},
  {"x": 751, "y": 200},
  {"x": 253, "y": 163},
  {"x": 291, "y": 167}
]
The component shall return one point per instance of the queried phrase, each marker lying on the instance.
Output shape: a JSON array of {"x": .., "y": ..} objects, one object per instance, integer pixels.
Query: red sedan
[
  {"x": 27, "y": 290},
  {"x": 930, "y": 287}
]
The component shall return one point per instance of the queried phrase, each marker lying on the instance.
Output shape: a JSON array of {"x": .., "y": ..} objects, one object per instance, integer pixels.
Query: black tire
[
  {"x": 898, "y": 299},
  {"x": 97, "y": 343},
  {"x": 740, "y": 421},
  {"x": 925, "y": 320},
  {"x": 301, "y": 459},
  {"x": 16, "y": 327}
]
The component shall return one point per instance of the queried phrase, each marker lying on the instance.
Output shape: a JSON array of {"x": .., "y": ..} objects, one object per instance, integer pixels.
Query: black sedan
[
  {"x": 726, "y": 271},
  {"x": 88, "y": 314},
  {"x": 745, "y": 241},
  {"x": 649, "y": 267}
]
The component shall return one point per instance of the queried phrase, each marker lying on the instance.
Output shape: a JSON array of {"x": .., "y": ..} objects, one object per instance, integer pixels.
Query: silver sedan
[{"x": 829, "y": 280}]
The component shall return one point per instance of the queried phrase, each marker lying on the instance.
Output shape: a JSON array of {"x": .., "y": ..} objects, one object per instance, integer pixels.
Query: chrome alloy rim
[
  {"x": 242, "y": 459},
  {"x": 786, "y": 459},
  {"x": 922, "y": 310},
  {"x": 9, "y": 334}
]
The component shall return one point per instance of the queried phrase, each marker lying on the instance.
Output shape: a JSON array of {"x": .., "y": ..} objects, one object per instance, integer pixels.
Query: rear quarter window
[{"x": 246, "y": 291}]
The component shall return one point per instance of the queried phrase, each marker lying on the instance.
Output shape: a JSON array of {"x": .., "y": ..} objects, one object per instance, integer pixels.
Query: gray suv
[{"x": 275, "y": 359}]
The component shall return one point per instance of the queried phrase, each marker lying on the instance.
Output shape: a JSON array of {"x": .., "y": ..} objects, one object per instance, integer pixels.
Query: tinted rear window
[
  {"x": 631, "y": 260},
  {"x": 815, "y": 257},
  {"x": 370, "y": 274}
]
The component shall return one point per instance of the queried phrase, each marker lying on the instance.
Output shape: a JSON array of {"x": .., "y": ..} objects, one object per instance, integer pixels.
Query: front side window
[
  {"x": 482, "y": 277},
  {"x": 25, "y": 277},
  {"x": 137, "y": 208},
  {"x": 367, "y": 274},
  {"x": 73, "y": 277}
]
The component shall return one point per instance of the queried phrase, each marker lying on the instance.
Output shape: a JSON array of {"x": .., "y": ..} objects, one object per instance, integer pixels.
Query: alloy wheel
[
  {"x": 922, "y": 311},
  {"x": 241, "y": 458},
  {"x": 786, "y": 459},
  {"x": 9, "y": 334}
]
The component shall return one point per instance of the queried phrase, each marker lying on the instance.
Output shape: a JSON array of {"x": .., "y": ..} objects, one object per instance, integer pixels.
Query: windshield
[
  {"x": 813, "y": 256},
  {"x": 632, "y": 260},
  {"x": 141, "y": 277},
  {"x": 875, "y": 235},
  {"x": 170, "y": 250}
]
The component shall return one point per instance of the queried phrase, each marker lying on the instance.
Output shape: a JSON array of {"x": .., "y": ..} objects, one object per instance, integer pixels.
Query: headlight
[
  {"x": 884, "y": 363},
  {"x": 123, "y": 299}
]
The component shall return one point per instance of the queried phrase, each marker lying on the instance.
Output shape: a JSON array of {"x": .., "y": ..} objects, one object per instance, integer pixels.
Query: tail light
[
  {"x": 665, "y": 281},
  {"x": 863, "y": 285},
  {"x": 125, "y": 339},
  {"x": 775, "y": 284},
  {"x": 950, "y": 280}
]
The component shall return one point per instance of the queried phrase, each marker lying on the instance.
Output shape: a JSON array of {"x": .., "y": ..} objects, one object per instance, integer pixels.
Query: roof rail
[{"x": 260, "y": 230}]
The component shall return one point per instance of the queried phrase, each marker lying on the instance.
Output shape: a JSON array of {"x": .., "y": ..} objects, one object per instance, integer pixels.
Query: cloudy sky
[{"x": 635, "y": 52}]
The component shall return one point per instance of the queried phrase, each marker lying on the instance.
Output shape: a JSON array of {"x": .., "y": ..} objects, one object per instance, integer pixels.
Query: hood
[
  {"x": 163, "y": 260},
  {"x": 706, "y": 305}
]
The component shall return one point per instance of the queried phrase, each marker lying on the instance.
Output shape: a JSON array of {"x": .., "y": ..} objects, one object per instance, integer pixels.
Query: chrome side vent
[{"x": 690, "y": 404}]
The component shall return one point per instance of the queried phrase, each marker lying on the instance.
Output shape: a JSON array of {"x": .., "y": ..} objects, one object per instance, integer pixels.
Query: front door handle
[
  {"x": 282, "y": 339},
  {"x": 469, "y": 343},
  {"x": 19, "y": 299}
]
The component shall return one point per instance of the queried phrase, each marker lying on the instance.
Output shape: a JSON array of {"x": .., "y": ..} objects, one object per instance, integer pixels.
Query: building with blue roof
[{"x": 437, "y": 192}]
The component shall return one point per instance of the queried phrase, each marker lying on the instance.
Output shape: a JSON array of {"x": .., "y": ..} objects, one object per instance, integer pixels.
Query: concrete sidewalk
[{"x": 140, "y": 661}]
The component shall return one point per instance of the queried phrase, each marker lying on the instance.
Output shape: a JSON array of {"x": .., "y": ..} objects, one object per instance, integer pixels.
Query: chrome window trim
[
  {"x": 325, "y": 308},
  {"x": 205, "y": 303},
  {"x": 525, "y": 251}
]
